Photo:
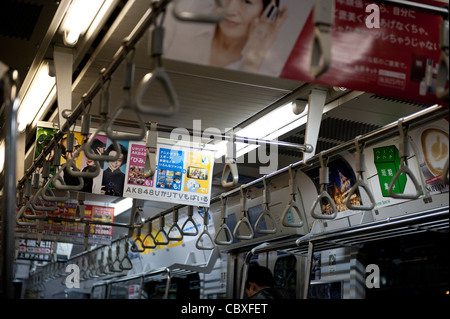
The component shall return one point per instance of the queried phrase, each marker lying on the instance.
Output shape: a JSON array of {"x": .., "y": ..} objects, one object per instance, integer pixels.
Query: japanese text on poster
[{"x": 183, "y": 175}]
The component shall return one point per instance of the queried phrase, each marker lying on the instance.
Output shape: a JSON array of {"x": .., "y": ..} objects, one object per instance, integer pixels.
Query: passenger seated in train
[{"x": 260, "y": 284}]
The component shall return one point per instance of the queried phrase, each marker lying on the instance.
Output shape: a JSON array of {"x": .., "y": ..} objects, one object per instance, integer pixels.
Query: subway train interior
[{"x": 191, "y": 140}]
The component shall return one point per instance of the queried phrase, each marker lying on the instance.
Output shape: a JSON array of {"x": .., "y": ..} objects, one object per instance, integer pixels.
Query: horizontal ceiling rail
[
  {"x": 127, "y": 46},
  {"x": 420, "y": 118},
  {"x": 359, "y": 234}
]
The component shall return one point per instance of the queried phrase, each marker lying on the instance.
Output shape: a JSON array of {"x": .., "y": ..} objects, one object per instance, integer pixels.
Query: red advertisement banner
[
  {"x": 73, "y": 232},
  {"x": 399, "y": 59},
  {"x": 377, "y": 47}
]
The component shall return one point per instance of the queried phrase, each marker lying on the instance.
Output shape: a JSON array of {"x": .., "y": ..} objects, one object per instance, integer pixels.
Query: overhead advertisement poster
[
  {"x": 341, "y": 180},
  {"x": 183, "y": 175},
  {"x": 429, "y": 151},
  {"x": 64, "y": 230},
  {"x": 432, "y": 145},
  {"x": 375, "y": 47},
  {"x": 109, "y": 181},
  {"x": 30, "y": 249}
]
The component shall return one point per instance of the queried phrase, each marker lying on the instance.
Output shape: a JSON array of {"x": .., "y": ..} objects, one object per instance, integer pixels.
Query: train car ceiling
[{"x": 291, "y": 109}]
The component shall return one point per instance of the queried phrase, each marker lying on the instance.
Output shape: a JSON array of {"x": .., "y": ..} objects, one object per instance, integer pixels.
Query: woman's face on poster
[{"x": 239, "y": 17}]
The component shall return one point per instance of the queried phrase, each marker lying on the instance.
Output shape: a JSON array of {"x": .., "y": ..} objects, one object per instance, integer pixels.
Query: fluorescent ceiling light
[
  {"x": 123, "y": 205},
  {"x": 81, "y": 14},
  {"x": 38, "y": 92},
  {"x": 269, "y": 127},
  {"x": 47, "y": 103}
]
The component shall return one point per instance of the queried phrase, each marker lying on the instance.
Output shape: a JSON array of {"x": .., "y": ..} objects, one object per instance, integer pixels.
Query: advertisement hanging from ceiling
[
  {"x": 431, "y": 145},
  {"x": 341, "y": 180},
  {"x": 378, "y": 48},
  {"x": 429, "y": 149},
  {"x": 183, "y": 175},
  {"x": 61, "y": 228},
  {"x": 111, "y": 178}
]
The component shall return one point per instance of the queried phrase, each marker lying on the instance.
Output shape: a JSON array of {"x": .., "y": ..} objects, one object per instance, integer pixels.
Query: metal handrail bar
[
  {"x": 420, "y": 118},
  {"x": 127, "y": 46},
  {"x": 393, "y": 223},
  {"x": 163, "y": 128}
]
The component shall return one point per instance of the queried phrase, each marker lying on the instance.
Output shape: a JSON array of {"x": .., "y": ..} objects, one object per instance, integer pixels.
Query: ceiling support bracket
[{"x": 63, "y": 63}]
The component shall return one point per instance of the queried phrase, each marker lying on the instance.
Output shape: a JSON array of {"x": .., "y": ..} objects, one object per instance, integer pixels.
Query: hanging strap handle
[
  {"x": 321, "y": 52},
  {"x": 244, "y": 220},
  {"x": 200, "y": 243},
  {"x": 215, "y": 17},
  {"x": 21, "y": 214},
  {"x": 175, "y": 228},
  {"x": 161, "y": 232},
  {"x": 190, "y": 220},
  {"x": 230, "y": 166},
  {"x": 99, "y": 272},
  {"x": 445, "y": 172},
  {"x": 125, "y": 262},
  {"x": 223, "y": 227},
  {"x": 150, "y": 238},
  {"x": 37, "y": 198},
  {"x": 266, "y": 212},
  {"x": 115, "y": 265},
  {"x": 104, "y": 110},
  {"x": 324, "y": 180},
  {"x": 71, "y": 167},
  {"x": 443, "y": 67},
  {"x": 360, "y": 169},
  {"x": 157, "y": 75},
  {"x": 59, "y": 183},
  {"x": 138, "y": 245},
  {"x": 127, "y": 105},
  {"x": 292, "y": 203},
  {"x": 101, "y": 157},
  {"x": 52, "y": 198},
  {"x": 404, "y": 154},
  {"x": 152, "y": 147},
  {"x": 80, "y": 210}
]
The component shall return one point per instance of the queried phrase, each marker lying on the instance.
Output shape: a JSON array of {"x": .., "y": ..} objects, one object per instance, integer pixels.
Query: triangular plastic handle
[
  {"x": 159, "y": 74},
  {"x": 200, "y": 244},
  {"x": 215, "y": 17},
  {"x": 227, "y": 232},
  {"x": 230, "y": 169},
  {"x": 266, "y": 212},
  {"x": 292, "y": 205},
  {"x": 243, "y": 222},
  {"x": 360, "y": 183},
  {"x": 323, "y": 195},
  {"x": 404, "y": 169},
  {"x": 129, "y": 107}
]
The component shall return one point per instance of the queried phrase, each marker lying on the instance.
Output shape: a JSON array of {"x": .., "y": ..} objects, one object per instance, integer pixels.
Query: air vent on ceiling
[
  {"x": 378, "y": 97},
  {"x": 18, "y": 18},
  {"x": 333, "y": 131}
]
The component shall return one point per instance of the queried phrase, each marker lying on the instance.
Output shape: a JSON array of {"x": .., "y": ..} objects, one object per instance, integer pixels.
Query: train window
[
  {"x": 180, "y": 288},
  {"x": 329, "y": 290},
  {"x": 125, "y": 289},
  {"x": 99, "y": 292},
  {"x": 285, "y": 275}
]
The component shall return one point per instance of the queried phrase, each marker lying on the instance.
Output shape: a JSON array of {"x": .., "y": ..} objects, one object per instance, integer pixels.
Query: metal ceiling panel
[{"x": 219, "y": 98}]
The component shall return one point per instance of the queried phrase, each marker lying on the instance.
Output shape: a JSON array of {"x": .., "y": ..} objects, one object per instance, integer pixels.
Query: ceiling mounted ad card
[
  {"x": 183, "y": 175},
  {"x": 376, "y": 47}
]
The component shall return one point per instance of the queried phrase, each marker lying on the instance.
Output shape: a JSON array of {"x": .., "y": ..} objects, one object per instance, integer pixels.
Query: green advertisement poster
[{"x": 387, "y": 162}]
